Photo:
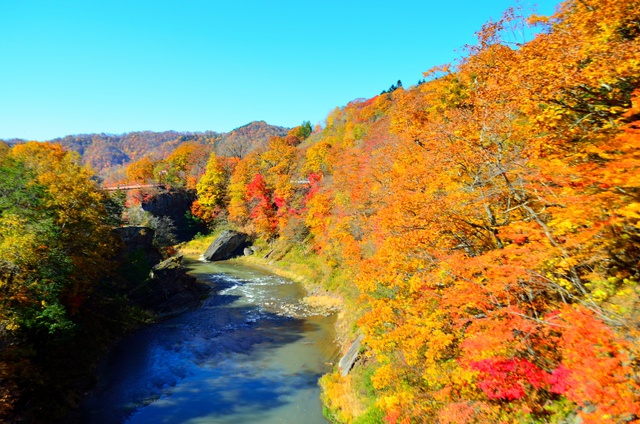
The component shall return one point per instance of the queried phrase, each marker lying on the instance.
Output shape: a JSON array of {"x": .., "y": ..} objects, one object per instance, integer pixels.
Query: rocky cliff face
[
  {"x": 161, "y": 287},
  {"x": 170, "y": 290},
  {"x": 175, "y": 204},
  {"x": 139, "y": 241}
]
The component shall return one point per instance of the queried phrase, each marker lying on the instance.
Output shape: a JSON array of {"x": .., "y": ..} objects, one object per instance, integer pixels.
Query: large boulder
[{"x": 227, "y": 245}]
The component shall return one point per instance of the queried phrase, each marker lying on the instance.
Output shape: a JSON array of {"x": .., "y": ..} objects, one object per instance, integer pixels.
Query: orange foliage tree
[{"x": 490, "y": 218}]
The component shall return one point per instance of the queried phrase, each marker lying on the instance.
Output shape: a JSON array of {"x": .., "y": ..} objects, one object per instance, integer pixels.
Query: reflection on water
[{"x": 251, "y": 354}]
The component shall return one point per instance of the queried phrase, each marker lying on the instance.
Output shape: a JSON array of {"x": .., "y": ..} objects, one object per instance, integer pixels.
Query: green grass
[
  {"x": 200, "y": 242},
  {"x": 373, "y": 415}
]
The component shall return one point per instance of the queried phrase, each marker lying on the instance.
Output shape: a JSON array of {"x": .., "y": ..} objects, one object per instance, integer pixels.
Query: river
[{"x": 252, "y": 353}]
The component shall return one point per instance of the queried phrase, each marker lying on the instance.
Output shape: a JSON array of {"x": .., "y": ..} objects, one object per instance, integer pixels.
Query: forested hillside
[
  {"x": 482, "y": 226},
  {"x": 71, "y": 280},
  {"x": 107, "y": 153}
]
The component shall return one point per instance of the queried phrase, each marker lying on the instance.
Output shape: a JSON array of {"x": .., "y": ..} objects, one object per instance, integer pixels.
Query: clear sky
[{"x": 71, "y": 67}]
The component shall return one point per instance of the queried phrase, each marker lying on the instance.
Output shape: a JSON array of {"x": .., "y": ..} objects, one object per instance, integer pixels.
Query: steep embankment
[
  {"x": 482, "y": 227},
  {"x": 323, "y": 292},
  {"x": 108, "y": 153}
]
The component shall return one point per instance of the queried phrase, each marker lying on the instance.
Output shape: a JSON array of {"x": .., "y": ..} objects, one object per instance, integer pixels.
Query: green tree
[
  {"x": 77, "y": 207},
  {"x": 33, "y": 266}
]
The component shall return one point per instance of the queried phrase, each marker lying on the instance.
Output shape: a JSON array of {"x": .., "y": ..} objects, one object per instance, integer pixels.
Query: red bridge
[{"x": 134, "y": 187}]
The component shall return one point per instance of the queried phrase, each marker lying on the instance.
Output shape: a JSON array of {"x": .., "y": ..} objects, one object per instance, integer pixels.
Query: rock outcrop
[
  {"x": 227, "y": 245},
  {"x": 163, "y": 288},
  {"x": 170, "y": 290},
  {"x": 347, "y": 361},
  {"x": 174, "y": 204}
]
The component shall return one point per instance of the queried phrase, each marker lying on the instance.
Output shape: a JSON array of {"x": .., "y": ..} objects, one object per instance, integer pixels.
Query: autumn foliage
[
  {"x": 483, "y": 225},
  {"x": 490, "y": 219},
  {"x": 56, "y": 248}
]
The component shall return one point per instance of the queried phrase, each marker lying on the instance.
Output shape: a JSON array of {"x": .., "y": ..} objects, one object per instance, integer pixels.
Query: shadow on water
[
  {"x": 241, "y": 396},
  {"x": 228, "y": 361}
]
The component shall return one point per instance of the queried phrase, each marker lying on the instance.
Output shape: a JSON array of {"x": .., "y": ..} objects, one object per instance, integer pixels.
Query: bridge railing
[{"x": 134, "y": 187}]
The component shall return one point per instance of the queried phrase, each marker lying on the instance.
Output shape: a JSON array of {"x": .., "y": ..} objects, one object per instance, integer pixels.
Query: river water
[{"x": 252, "y": 353}]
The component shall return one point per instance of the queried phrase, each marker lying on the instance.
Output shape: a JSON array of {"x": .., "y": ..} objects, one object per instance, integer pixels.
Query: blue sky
[{"x": 71, "y": 67}]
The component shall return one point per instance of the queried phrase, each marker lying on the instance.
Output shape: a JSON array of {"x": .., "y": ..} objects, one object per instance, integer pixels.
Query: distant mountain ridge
[{"x": 108, "y": 152}]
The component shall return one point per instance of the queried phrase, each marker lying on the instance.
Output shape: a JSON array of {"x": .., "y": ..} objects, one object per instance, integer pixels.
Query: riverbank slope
[{"x": 345, "y": 397}]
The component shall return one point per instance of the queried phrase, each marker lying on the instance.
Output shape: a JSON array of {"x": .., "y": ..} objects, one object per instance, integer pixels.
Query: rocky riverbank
[
  {"x": 238, "y": 248},
  {"x": 161, "y": 287}
]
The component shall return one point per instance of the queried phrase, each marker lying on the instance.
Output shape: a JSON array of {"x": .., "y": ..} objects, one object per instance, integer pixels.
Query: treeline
[
  {"x": 108, "y": 153},
  {"x": 483, "y": 226}
]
